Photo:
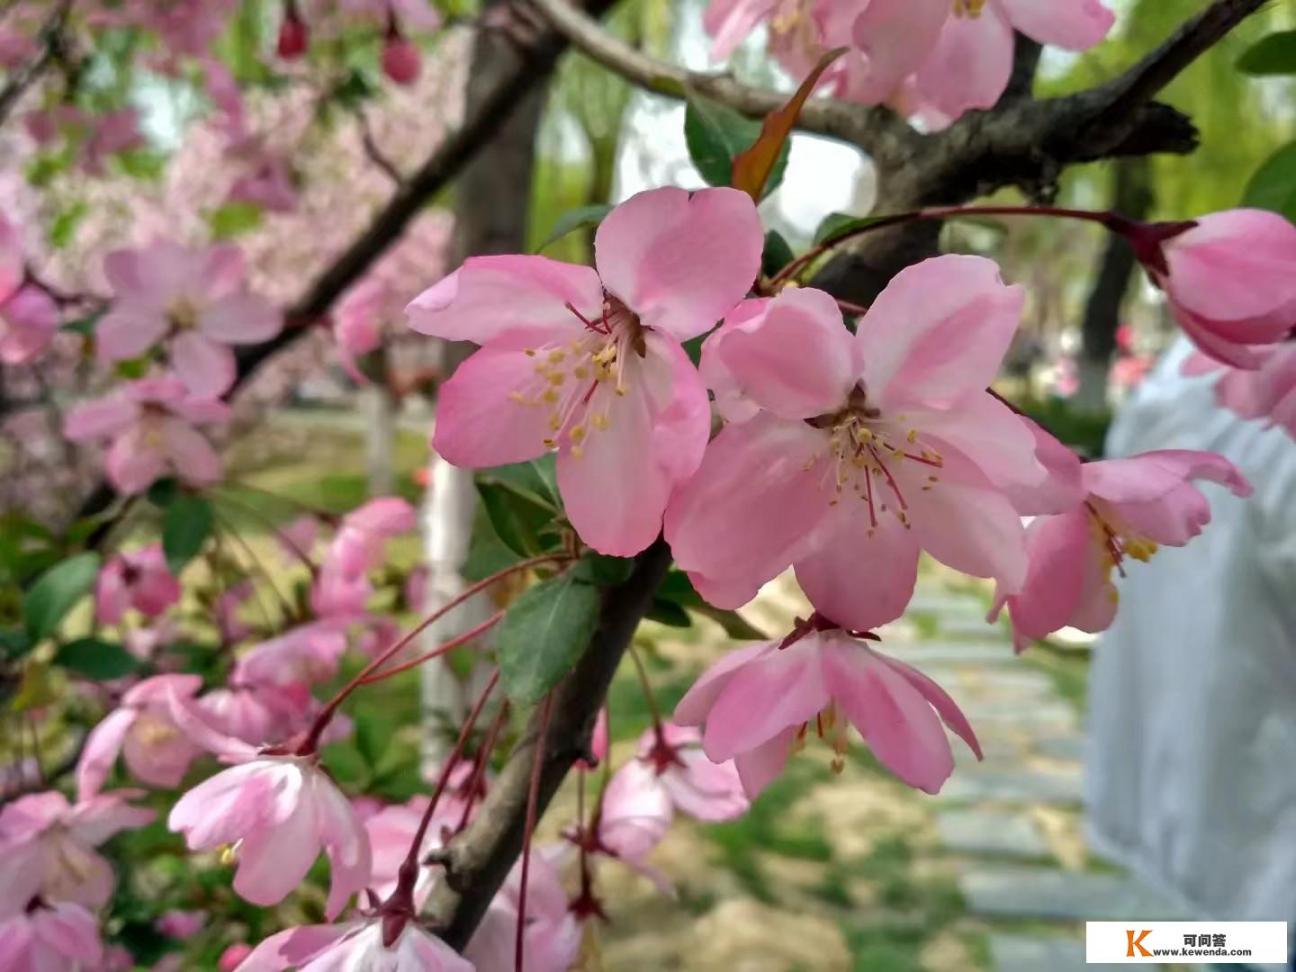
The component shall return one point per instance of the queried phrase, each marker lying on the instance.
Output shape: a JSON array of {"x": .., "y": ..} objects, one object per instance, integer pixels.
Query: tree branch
[
  {"x": 877, "y": 131},
  {"x": 479, "y": 859},
  {"x": 51, "y": 35}
]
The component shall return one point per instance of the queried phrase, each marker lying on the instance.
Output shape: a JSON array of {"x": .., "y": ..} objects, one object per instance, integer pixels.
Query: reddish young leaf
[{"x": 751, "y": 168}]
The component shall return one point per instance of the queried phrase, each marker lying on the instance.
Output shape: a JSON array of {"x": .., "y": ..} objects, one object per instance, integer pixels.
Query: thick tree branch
[
  {"x": 479, "y": 859},
  {"x": 877, "y": 131},
  {"x": 51, "y": 38}
]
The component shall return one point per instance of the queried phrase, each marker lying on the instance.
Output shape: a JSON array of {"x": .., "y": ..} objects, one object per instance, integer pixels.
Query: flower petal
[
  {"x": 681, "y": 261},
  {"x": 897, "y": 36},
  {"x": 970, "y": 65},
  {"x": 100, "y": 753},
  {"x": 240, "y": 318},
  {"x": 1075, "y": 25},
  {"x": 205, "y": 366},
  {"x": 697, "y": 701}
]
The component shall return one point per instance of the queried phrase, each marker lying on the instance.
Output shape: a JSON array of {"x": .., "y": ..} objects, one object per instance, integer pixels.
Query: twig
[
  {"x": 51, "y": 36},
  {"x": 376, "y": 155}
]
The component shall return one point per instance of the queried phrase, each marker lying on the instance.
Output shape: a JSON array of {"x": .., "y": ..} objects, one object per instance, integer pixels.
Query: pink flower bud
[
  {"x": 233, "y": 957},
  {"x": 401, "y": 60},
  {"x": 294, "y": 37}
]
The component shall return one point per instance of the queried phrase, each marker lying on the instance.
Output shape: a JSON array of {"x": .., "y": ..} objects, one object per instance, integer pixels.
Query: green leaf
[
  {"x": 836, "y": 225},
  {"x": 96, "y": 659},
  {"x": 678, "y": 589},
  {"x": 601, "y": 569},
  {"x": 536, "y": 479},
  {"x": 715, "y": 133},
  {"x": 668, "y": 613},
  {"x": 487, "y": 553},
  {"x": 185, "y": 528},
  {"x": 65, "y": 224},
  {"x": 144, "y": 164},
  {"x": 1275, "y": 54},
  {"x": 582, "y": 217},
  {"x": 162, "y": 492},
  {"x": 233, "y": 219},
  {"x": 57, "y": 591},
  {"x": 15, "y": 643},
  {"x": 776, "y": 255},
  {"x": 518, "y": 519},
  {"x": 1273, "y": 186},
  {"x": 543, "y": 634}
]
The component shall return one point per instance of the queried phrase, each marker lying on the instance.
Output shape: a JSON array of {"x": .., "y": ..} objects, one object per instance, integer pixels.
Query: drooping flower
[
  {"x": 60, "y": 937},
  {"x": 142, "y": 731},
  {"x": 364, "y": 532},
  {"x": 1268, "y": 392},
  {"x": 1132, "y": 506},
  {"x": 589, "y": 362},
  {"x": 47, "y": 847},
  {"x": 354, "y": 945},
  {"x": 259, "y": 713},
  {"x": 306, "y": 654},
  {"x": 864, "y": 449},
  {"x": 552, "y": 938},
  {"x": 278, "y": 810},
  {"x": 151, "y": 425},
  {"x": 180, "y": 924},
  {"x": 391, "y": 831},
  {"x": 758, "y": 703},
  {"x": 138, "y": 579},
  {"x": 194, "y": 299},
  {"x": 28, "y": 317},
  {"x": 670, "y": 764},
  {"x": 1231, "y": 282}
]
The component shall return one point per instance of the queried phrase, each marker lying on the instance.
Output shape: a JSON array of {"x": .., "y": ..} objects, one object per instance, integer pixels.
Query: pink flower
[
  {"x": 279, "y": 811},
  {"x": 47, "y": 848},
  {"x": 864, "y": 449},
  {"x": 28, "y": 322},
  {"x": 670, "y": 772},
  {"x": 180, "y": 924},
  {"x": 357, "y": 324},
  {"x": 758, "y": 702},
  {"x": 358, "y": 545},
  {"x": 62, "y": 937},
  {"x": 391, "y": 832},
  {"x": 552, "y": 937},
  {"x": 229, "y": 611},
  {"x": 144, "y": 733},
  {"x": 308, "y": 653},
  {"x": 12, "y": 267},
  {"x": 1231, "y": 282},
  {"x": 298, "y": 538},
  {"x": 589, "y": 363},
  {"x": 354, "y": 945},
  {"x": 138, "y": 579},
  {"x": 193, "y": 298},
  {"x": 233, "y": 957},
  {"x": 1132, "y": 506},
  {"x": 259, "y": 714},
  {"x": 151, "y": 425},
  {"x": 1267, "y": 393}
]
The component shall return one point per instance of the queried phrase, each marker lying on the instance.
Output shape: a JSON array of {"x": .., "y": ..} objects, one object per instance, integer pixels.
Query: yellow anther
[
  {"x": 912, "y": 436},
  {"x": 557, "y": 378},
  {"x": 1140, "y": 549},
  {"x": 577, "y": 433},
  {"x": 550, "y": 396},
  {"x": 577, "y": 452},
  {"x": 517, "y": 396},
  {"x": 580, "y": 371},
  {"x": 229, "y": 855},
  {"x": 600, "y": 421},
  {"x": 530, "y": 352},
  {"x": 549, "y": 443},
  {"x": 557, "y": 354}
]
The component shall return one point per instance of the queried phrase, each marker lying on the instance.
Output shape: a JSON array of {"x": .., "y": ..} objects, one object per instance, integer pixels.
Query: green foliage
[
  {"x": 543, "y": 634},
  {"x": 1275, "y": 54},
  {"x": 96, "y": 659},
  {"x": 186, "y": 525},
  {"x": 57, "y": 591},
  {"x": 522, "y": 504},
  {"x": 678, "y": 590},
  {"x": 233, "y": 219},
  {"x": 1274, "y": 184},
  {"x": 64, "y": 226},
  {"x": 776, "y": 255},
  {"x": 582, "y": 217},
  {"x": 26, "y": 548},
  {"x": 715, "y": 133},
  {"x": 1083, "y": 431},
  {"x": 836, "y": 225}
]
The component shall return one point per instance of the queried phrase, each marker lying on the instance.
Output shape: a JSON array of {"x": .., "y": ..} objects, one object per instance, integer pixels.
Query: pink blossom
[
  {"x": 1132, "y": 506},
  {"x": 233, "y": 957},
  {"x": 29, "y": 319},
  {"x": 229, "y": 611},
  {"x": 62, "y": 937},
  {"x": 278, "y": 810},
  {"x": 357, "y": 326},
  {"x": 151, "y": 425},
  {"x": 261, "y": 713},
  {"x": 589, "y": 363},
  {"x": 47, "y": 848},
  {"x": 195, "y": 299},
  {"x": 298, "y": 538},
  {"x": 669, "y": 765},
  {"x": 757, "y": 702},
  {"x": 12, "y": 266},
  {"x": 185, "y": 26},
  {"x": 864, "y": 449},
  {"x": 143, "y": 732},
  {"x": 354, "y": 945},
  {"x": 391, "y": 832},
  {"x": 1268, "y": 393},
  {"x": 358, "y": 545},
  {"x": 180, "y": 924},
  {"x": 138, "y": 579},
  {"x": 552, "y": 938},
  {"x": 1231, "y": 282},
  {"x": 308, "y": 653}
]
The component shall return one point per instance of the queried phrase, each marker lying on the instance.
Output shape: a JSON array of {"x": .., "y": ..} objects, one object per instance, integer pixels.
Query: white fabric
[{"x": 1191, "y": 777}]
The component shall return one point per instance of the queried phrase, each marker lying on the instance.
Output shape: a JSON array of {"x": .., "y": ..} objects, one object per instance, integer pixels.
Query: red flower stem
[
  {"x": 479, "y": 765},
  {"x": 1105, "y": 218},
  {"x": 322, "y": 720},
  {"x": 533, "y": 797},
  {"x": 647, "y": 691},
  {"x": 438, "y": 651}
]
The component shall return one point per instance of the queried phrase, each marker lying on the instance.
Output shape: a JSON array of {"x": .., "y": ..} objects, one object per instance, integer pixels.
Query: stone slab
[
  {"x": 991, "y": 833},
  {"x": 1039, "y": 953},
  {"x": 1015, "y": 786},
  {"x": 1010, "y": 891}
]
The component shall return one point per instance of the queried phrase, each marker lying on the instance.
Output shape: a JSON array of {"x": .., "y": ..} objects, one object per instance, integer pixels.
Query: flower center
[
  {"x": 572, "y": 381},
  {"x": 183, "y": 314},
  {"x": 968, "y": 8},
  {"x": 1115, "y": 540},
  {"x": 868, "y": 451}
]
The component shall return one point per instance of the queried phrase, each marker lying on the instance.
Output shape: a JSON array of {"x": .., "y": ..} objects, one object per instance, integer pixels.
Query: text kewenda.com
[{"x": 1213, "y": 952}]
